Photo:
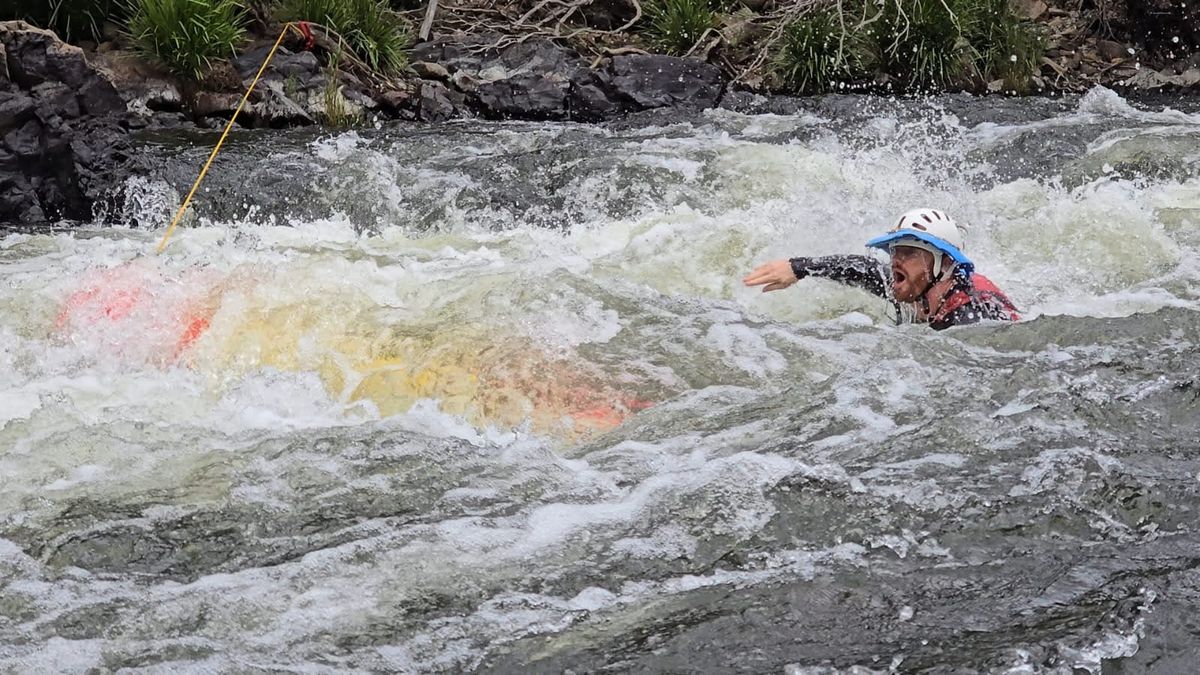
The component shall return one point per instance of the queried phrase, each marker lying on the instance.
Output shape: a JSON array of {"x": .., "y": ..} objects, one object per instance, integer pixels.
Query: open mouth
[{"x": 898, "y": 277}]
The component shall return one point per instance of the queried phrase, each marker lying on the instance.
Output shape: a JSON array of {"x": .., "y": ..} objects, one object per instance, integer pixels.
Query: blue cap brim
[{"x": 960, "y": 258}]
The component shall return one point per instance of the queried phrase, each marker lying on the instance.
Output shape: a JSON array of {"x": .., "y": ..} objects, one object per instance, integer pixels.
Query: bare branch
[{"x": 428, "y": 23}]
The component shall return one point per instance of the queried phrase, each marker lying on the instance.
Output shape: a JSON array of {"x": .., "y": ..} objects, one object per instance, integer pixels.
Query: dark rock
[
  {"x": 636, "y": 82},
  {"x": 465, "y": 82},
  {"x": 15, "y": 108},
  {"x": 1147, "y": 78},
  {"x": 655, "y": 81},
  {"x": 7, "y": 161},
  {"x": 750, "y": 103},
  {"x": 284, "y": 63},
  {"x": 292, "y": 89},
  {"x": 453, "y": 55},
  {"x": 210, "y": 104},
  {"x": 19, "y": 202},
  {"x": 539, "y": 56},
  {"x": 249, "y": 63},
  {"x": 589, "y": 99},
  {"x": 35, "y": 56},
  {"x": 301, "y": 65},
  {"x": 438, "y": 103},
  {"x": 160, "y": 96},
  {"x": 275, "y": 109},
  {"x": 397, "y": 102},
  {"x": 25, "y": 141},
  {"x": 540, "y": 79},
  {"x": 55, "y": 99},
  {"x": 144, "y": 87},
  {"x": 99, "y": 97},
  {"x": 1029, "y": 9},
  {"x": 360, "y": 98},
  {"x": 608, "y": 15},
  {"x": 527, "y": 96},
  {"x": 1111, "y": 51},
  {"x": 430, "y": 71},
  {"x": 63, "y": 128}
]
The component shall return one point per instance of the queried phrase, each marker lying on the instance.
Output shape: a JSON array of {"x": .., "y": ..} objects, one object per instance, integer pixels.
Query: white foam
[{"x": 17, "y": 405}]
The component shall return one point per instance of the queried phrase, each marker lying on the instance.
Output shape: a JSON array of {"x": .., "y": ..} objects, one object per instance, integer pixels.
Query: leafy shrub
[
  {"x": 186, "y": 36},
  {"x": 920, "y": 44},
  {"x": 676, "y": 25},
  {"x": 72, "y": 20},
  {"x": 1007, "y": 47},
  {"x": 816, "y": 51},
  {"x": 375, "y": 34}
]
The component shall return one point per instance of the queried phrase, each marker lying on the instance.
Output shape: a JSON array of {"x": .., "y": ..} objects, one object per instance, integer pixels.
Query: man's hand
[{"x": 777, "y": 275}]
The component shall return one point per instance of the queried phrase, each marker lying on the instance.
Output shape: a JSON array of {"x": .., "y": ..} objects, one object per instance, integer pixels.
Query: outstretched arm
[{"x": 854, "y": 270}]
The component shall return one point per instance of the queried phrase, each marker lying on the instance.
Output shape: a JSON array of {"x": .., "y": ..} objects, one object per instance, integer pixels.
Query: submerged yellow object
[{"x": 232, "y": 325}]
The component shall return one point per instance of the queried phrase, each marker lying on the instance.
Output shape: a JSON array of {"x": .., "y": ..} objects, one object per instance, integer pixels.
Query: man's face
[{"x": 912, "y": 272}]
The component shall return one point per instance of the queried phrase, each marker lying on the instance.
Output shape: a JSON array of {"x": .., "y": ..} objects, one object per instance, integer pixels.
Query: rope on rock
[{"x": 303, "y": 30}]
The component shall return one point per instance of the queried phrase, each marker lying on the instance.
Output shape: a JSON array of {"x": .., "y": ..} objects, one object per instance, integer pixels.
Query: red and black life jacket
[{"x": 979, "y": 290}]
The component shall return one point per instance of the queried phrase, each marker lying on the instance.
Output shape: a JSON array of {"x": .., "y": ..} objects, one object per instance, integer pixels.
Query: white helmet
[{"x": 931, "y": 230}]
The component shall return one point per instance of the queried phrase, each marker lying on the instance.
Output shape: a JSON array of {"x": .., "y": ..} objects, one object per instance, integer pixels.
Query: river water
[{"x": 490, "y": 397}]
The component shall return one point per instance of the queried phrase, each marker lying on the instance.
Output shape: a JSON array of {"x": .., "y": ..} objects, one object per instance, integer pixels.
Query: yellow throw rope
[{"x": 245, "y": 97}]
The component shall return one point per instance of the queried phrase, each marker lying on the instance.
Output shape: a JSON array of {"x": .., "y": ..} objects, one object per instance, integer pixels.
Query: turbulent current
[{"x": 491, "y": 397}]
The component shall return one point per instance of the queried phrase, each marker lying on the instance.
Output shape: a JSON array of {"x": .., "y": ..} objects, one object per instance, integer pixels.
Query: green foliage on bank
[
  {"x": 817, "y": 52},
  {"x": 374, "y": 33},
  {"x": 676, "y": 25},
  {"x": 919, "y": 45},
  {"x": 186, "y": 36},
  {"x": 72, "y": 20},
  {"x": 902, "y": 45}
]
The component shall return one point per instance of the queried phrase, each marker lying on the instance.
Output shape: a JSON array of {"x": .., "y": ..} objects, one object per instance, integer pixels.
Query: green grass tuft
[
  {"x": 921, "y": 45},
  {"x": 921, "y": 42},
  {"x": 1008, "y": 48},
  {"x": 186, "y": 36},
  {"x": 676, "y": 25},
  {"x": 337, "y": 112},
  {"x": 375, "y": 34},
  {"x": 816, "y": 52}
]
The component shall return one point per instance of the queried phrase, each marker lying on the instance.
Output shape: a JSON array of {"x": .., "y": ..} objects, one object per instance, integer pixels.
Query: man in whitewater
[{"x": 930, "y": 279}]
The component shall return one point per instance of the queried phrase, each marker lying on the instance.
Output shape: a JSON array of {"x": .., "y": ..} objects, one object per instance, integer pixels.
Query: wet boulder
[
  {"x": 437, "y": 102},
  {"x": 292, "y": 90},
  {"x": 63, "y": 142},
  {"x": 540, "y": 79},
  {"x": 525, "y": 96},
  {"x": 634, "y": 82}
]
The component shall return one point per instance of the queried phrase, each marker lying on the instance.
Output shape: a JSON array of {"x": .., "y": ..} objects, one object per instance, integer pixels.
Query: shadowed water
[{"x": 491, "y": 398}]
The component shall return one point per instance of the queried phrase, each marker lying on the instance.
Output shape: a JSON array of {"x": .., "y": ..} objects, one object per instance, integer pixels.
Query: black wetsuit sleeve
[{"x": 860, "y": 271}]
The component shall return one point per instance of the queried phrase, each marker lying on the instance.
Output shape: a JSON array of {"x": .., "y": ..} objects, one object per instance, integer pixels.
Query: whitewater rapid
[{"x": 491, "y": 396}]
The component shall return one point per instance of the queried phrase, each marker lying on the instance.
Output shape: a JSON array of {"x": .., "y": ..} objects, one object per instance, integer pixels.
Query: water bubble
[{"x": 1013, "y": 58}]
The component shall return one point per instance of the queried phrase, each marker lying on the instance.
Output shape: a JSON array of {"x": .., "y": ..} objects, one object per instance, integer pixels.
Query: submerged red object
[{"x": 136, "y": 311}]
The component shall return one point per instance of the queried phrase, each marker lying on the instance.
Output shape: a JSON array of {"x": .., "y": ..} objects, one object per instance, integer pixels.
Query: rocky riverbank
[
  {"x": 66, "y": 113},
  {"x": 63, "y": 129}
]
